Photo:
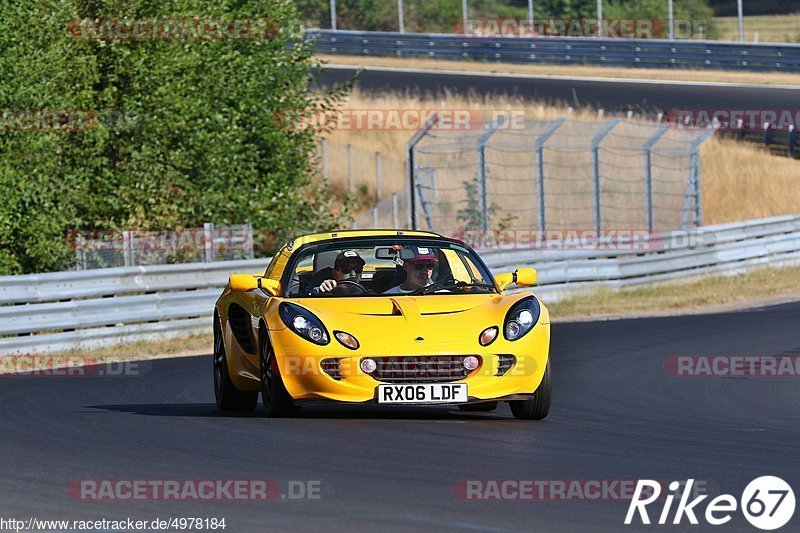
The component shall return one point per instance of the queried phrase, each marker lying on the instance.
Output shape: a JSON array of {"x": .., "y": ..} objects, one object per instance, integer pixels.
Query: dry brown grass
[
  {"x": 740, "y": 181},
  {"x": 757, "y": 78},
  {"x": 770, "y": 28},
  {"x": 743, "y": 181},
  {"x": 191, "y": 345}
]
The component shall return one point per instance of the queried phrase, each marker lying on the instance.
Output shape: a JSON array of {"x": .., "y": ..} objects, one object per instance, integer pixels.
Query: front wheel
[
  {"x": 276, "y": 399},
  {"x": 535, "y": 408},
  {"x": 228, "y": 397}
]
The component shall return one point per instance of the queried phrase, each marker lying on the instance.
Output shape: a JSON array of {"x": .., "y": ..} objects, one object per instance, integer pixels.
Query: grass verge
[
  {"x": 756, "y": 78},
  {"x": 768, "y": 28},
  {"x": 707, "y": 294}
]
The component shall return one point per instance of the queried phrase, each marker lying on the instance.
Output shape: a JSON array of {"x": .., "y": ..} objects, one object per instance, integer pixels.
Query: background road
[
  {"x": 614, "y": 96},
  {"x": 616, "y": 415}
]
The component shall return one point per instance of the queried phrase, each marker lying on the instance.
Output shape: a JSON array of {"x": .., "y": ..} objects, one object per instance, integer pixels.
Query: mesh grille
[
  {"x": 504, "y": 364},
  {"x": 424, "y": 369}
]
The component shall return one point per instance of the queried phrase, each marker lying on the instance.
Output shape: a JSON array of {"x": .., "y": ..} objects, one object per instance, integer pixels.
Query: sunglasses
[
  {"x": 424, "y": 266},
  {"x": 351, "y": 269}
]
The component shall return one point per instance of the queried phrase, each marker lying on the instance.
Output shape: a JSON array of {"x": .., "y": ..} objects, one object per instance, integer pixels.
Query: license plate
[{"x": 423, "y": 393}]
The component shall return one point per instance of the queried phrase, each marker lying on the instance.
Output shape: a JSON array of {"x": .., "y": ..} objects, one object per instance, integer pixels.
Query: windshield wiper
[{"x": 449, "y": 284}]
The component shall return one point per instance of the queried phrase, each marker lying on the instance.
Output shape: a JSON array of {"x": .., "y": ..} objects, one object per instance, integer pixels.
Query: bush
[{"x": 187, "y": 131}]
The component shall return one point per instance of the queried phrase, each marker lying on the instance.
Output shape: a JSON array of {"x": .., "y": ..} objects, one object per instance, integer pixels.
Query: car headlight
[
  {"x": 304, "y": 323},
  {"x": 521, "y": 318}
]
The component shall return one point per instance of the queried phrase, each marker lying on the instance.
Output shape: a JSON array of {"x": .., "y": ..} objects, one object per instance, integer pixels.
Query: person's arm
[{"x": 326, "y": 286}]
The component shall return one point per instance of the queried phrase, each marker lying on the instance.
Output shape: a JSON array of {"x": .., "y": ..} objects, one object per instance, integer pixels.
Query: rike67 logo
[{"x": 767, "y": 503}]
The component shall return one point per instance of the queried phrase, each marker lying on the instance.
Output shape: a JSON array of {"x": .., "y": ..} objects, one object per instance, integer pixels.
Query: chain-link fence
[
  {"x": 129, "y": 248},
  {"x": 559, "y": 174}
]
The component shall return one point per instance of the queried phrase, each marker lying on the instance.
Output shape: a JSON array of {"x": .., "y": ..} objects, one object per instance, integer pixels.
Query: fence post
[
  {"x": 693, "y": 192},
  {"x": 208, "y": 241},
  {"x": 127, "y": 248},
  {"x": 249, "y": 237},
  {"x": 648, "y": 174},
  {"x": 483, "y": 196},
  {"x": 539, "y": 147},
  {"x": 350, "y": 184},
  {"x": 378, "y": 177},
  {"x": 596, "y": 170},
  {"x": 410, "y": 170},
  {"x": 375, "y": 217},
  {"x": 424, "y": 204},
  {"x": 395, "y": 217},
  {"x": 324, "y": 149}
]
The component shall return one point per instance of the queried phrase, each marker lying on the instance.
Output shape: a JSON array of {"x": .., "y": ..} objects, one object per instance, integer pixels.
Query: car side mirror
[
  {"x": 243, "y": 282},
  {"x": 522, "y": 277},
  {"x": 249, "y": 282}
]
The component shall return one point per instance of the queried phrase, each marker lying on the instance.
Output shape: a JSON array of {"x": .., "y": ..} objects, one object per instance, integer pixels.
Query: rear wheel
[
  {"x": 535, "y": 408},
  {"x": 483, "y": 407},
  {"x": 228, "y": 397},
  {"x": 276, "y": 399}
]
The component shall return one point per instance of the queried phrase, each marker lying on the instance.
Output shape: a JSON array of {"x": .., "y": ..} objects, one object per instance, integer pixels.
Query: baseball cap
[
  {"x": 346, "y": 257},
  {"x": 422, "y": 254}
]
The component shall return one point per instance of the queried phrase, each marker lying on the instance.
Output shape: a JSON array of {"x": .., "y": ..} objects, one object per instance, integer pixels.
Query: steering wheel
[{"x": 348, "y": 287}]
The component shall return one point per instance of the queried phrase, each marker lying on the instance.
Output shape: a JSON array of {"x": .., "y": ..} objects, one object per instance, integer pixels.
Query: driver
[
  {"x": 419, "y": 270},
  {"x": 348, "y": 265}
]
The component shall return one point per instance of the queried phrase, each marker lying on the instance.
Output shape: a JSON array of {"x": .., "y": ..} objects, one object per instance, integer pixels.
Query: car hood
[{"x": 383, "y": 324}]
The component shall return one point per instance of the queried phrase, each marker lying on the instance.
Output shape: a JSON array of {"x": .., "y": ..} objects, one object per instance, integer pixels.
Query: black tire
[
  {"x": 537, "y": 407},
  {"x": 276, "y": 399},
  {"x": 228, "y": 397},
  {"x": 483, "y": 407}
]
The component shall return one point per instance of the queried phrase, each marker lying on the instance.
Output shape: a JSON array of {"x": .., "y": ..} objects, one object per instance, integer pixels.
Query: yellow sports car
[{"x": 379, "y": 316}]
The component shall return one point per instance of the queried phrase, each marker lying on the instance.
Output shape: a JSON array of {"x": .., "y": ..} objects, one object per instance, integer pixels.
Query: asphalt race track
[
  {"x": 617, "y": 415},
  {"x": 614, "y": 95}
]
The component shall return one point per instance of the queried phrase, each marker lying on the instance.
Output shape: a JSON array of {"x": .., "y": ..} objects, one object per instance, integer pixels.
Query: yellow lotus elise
[{"x": 385, "y": 317}]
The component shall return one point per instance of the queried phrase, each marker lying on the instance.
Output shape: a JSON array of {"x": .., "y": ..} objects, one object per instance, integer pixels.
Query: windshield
[{"x": 370, "y": 267}]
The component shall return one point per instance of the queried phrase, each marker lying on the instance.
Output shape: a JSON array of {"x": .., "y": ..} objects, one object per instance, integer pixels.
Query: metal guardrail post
[
  {"x": 539, "y": 146},
  {"x": 410, "y": 170},
  {"x": 648, "y": 173},
  {"x": 483, "y": 196},
  {"x": 596, "y": 169}
]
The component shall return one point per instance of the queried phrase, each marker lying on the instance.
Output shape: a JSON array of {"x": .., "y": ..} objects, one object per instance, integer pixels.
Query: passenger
[{"x": 419, "y": 270}]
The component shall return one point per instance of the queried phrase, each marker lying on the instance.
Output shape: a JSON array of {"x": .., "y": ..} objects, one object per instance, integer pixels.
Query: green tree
[{"x": 189, "y": 130}]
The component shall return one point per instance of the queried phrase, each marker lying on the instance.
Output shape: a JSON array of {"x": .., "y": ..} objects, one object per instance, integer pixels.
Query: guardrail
[
  {"x": 64, "y": 310},
  {"x": 639, "y": 53}
]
